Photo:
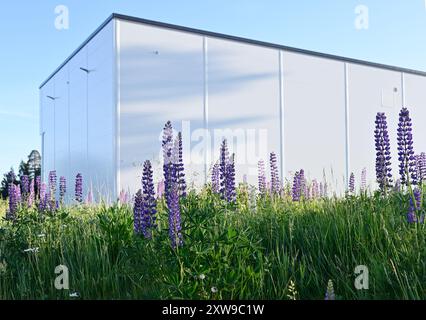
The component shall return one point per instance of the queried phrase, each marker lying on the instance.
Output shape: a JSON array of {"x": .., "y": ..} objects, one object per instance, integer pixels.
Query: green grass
[{"x": 245, "y": 254}]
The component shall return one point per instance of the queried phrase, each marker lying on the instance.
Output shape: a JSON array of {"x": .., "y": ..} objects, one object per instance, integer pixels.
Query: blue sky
[{"x": 32, "y": 47}]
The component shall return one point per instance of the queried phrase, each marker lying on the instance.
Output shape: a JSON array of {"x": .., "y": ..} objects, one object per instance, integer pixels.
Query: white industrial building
[{"x": 103, "y": 109}]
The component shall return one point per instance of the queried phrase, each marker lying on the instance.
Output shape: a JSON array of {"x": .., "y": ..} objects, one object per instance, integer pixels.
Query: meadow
[{"x": 224, "y": 241}]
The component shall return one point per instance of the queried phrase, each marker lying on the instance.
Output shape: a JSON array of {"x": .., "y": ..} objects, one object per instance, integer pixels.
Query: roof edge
[{"x": 232, "y": 38}]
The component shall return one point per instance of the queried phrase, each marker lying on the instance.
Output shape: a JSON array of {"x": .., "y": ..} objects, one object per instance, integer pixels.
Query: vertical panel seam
[
  {"x": 206, "y": 106},
  {"x": 281, "y": 97},
  {"x": 403, "y": 88},
  {"x": 117, "y": 104},
  {"x": 347, "y": 149}
]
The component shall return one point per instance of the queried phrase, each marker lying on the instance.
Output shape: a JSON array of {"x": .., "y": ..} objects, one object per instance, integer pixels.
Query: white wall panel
[
  {"x": 314, "y": 118},
  {"x": 244, "y": 103},
  {"x": 101, "y": 113},
  {"x": 78, "y": 117},
  {"x": 47, "y": 130},
  {"x": 371, "y": 90},
  {"x": 415, "y": 100},
  {"x": 161, "y": 79},
  {"x": 61, "y": 123}
]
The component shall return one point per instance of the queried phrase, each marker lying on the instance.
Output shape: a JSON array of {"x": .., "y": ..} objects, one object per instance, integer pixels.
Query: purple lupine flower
[
  {"x": 175, "y": 228},
  {"x": 315, "y": 189},
  {"x": 216, "y": 179},
  {"x": 224, "y": 160},
  {"x": 321, "y": 187},
  {"x": 421, "y": 167},
  {"x": 415, "y": 206},
  {"x": 168, "y": 168},
  {"x": 62, "y": 189},
  {"x": 31, "y": 196},
  {"x": 262, "y": 177},
  {"x": 89, "y": 198},
  {"x": 43, "y": 202},
  {"x": 25, "y": 186},
  {"x": 352, "y": 183},
  {"x": 38, "y": 185},
  {"x": 329, "y": 294},
  {"x": 180, "y": 169},
  {"x": 52, "y": 184},
  {"x": 302, "y": 183},
  {"x": 149, "y": 208},
  {"x": 227, "y": 174},
  {"x": 296, "y": 189},
  {"x": 245, "y": 179},
  {"x": 13, "y": 201},
  {"x": 231, "y": 195},
  {"x": 407, "y": 164},
  {"x": 383, "y": 154},
  {"x": 137, "y": 212},
  {"x": 364, "y": 179},
  {"x": 275, "y": 180},
  {"x": 79, "y": 188},
  {"x": 160, "y": 189}
]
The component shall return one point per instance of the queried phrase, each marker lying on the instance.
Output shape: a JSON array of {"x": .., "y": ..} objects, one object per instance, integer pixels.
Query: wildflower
[
  {"x": 296, "y": 190},
  {"x": 230, "y": 180},
  {"x": 214, "y": 290},
  {"x": 227, "y": 174},
  {"x": 25, "y": 186},
  {"x": 364, "y": 179},
  {"x": 137, "y": 212},
  {"x": 421, "y": 167},
  {"x": 329, "y": 295},
  {"x": 52, "y": 185},
  {"x": 253, "y": 199},
  {"x": 89, "y": 199},
  {"x": 202, "y": 277},
  {"x": 43, "y": 203},
  {"x": 31, "y": 196},
  {"x": 383, "y": 155},
  {"x": 62, "y": 188},
  {"x": 180, "y": 170},
  {"x": 315, "y": 189},
  {"x": 38, "y": 185},
  {"x": 216, "y": 179},
  {"x": 262, "y": 177},
  {"x": 160, "y": 189},
  {"x": 175, "y": 227},
  {"x": 168, "y": 168},
  {"x": 352, "y": 183},
  {"x": 415, "y": 206},
  {"x": 405, "y": 149},
  {"x": 14, "y": 199},
  {"x": 79, "y": 188},
  {"x": 149, "y": 204},
  {"x": 275, "y": 180}
]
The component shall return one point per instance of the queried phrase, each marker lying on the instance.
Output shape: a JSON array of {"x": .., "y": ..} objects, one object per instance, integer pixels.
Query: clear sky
[{"x": 31, "y": 46}]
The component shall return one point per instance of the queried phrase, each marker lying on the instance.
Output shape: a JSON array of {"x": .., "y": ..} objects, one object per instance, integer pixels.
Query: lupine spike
[
  {"x": 62, "y": 189},
  {"x": 216, "y": 179},
  {"x": 275, "y": 180},
  {"x": 406, "y": 159},
  {"x": 415, "y": 206},
  {"x": 352, "y": 183},
  {"x": 224, "y": 160},
  {"x": 137, "y": 212},
  {"x": 383, "y": 155},
  {"x": 364, "y": 179},
  {"x": 79, "y": 188},
  {"x": 231, "y": 195},
  {"x": 296, "y": 188},
  {"x": 31, "y": 196},
  {"x": 168, "y": 170},
  {"x": 262, "y": 177},
  {"x": 149, "y": 208},
  {"x": 180, "y": 167}
]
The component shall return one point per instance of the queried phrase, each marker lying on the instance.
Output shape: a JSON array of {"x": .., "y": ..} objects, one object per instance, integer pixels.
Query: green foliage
[{"x": 281, "y": 250}]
